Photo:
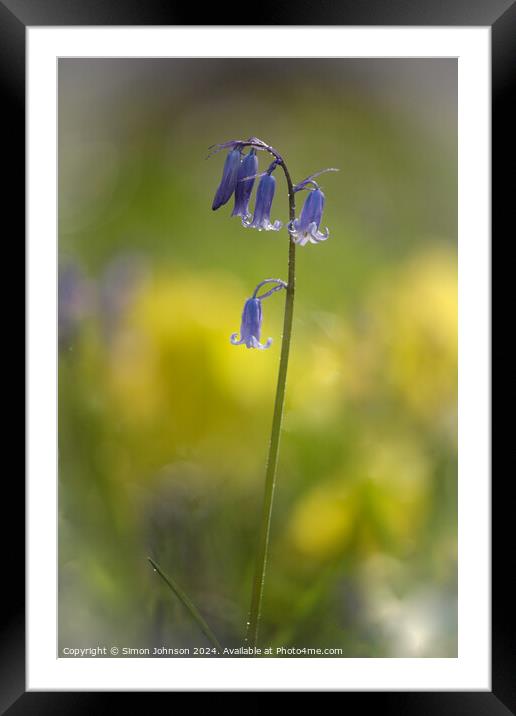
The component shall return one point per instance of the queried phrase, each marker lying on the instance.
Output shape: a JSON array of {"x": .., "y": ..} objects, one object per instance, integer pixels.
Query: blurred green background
[{"x": 164, "y": 426}]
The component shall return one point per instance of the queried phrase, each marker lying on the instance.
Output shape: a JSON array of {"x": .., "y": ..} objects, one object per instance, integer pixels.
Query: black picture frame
[{"x": 500, "y": 15}]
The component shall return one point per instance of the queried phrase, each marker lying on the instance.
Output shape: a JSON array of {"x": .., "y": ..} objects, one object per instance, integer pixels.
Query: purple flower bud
[
  {"x": 229, "y": 179},
  {"x": 262, "y": 208},
  {"x": 248, "y": 168},
  {"x": 306, "y": 228},
  {"x": 251, "y": 326}
]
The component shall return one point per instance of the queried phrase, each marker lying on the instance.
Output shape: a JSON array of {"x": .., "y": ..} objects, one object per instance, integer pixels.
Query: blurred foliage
[{"x": 164, "y": 426}]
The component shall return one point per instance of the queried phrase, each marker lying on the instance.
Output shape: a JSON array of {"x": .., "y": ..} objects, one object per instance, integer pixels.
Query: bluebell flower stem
[{"x": 272, "y": 459}]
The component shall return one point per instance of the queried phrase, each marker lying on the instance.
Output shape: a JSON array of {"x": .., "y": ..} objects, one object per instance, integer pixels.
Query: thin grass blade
[{"x": 189, "y": 605}]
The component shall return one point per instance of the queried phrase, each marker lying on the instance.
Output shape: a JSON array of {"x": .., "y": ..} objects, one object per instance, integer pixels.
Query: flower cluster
[
  {"x": 239, "y": 174},
  {"x": 238, "y": 178}
]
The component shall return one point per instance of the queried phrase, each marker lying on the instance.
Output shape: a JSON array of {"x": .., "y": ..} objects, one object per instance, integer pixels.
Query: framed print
[{"x": 258, "y": 366}]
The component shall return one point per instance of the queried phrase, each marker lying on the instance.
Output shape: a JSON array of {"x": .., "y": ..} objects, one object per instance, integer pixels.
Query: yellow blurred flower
[
  {"x": 414, "y": 329},
  {"x": 322, "y": 521},
  {"x": 174, "y": 380},
  {"x": 319, "y": 370}
]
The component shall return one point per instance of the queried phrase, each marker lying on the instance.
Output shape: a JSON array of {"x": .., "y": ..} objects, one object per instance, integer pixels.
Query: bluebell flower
[
  {"x": 243, "y": 190},
  {"x": 251, "y": 326},
  {"x": 75, "y": 301},
  {"x": 262, "y": 208},
  {"x": 306, "y": 228},
  {"x": 229, "y": 179}
]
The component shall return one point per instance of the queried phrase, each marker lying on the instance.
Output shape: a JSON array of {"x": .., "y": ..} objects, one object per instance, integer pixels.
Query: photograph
[{"x": 257, "y": 357}]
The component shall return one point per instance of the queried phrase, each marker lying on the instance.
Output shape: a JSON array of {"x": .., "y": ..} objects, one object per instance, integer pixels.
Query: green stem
[
  {"x": 188, "y": 604},
  {"x": 272, "y": 459}
]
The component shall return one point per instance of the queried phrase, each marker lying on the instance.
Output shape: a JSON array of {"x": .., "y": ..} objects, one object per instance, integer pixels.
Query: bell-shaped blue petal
[
  {"x": 243, "y": 190},
  {"x": 262, "y": 209},
  {"x": 312, "y": 209},
  {"x": 306, "y": 228},
  {"x": 229, "y": 179},
  {"x": 251, "y": 326}
]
